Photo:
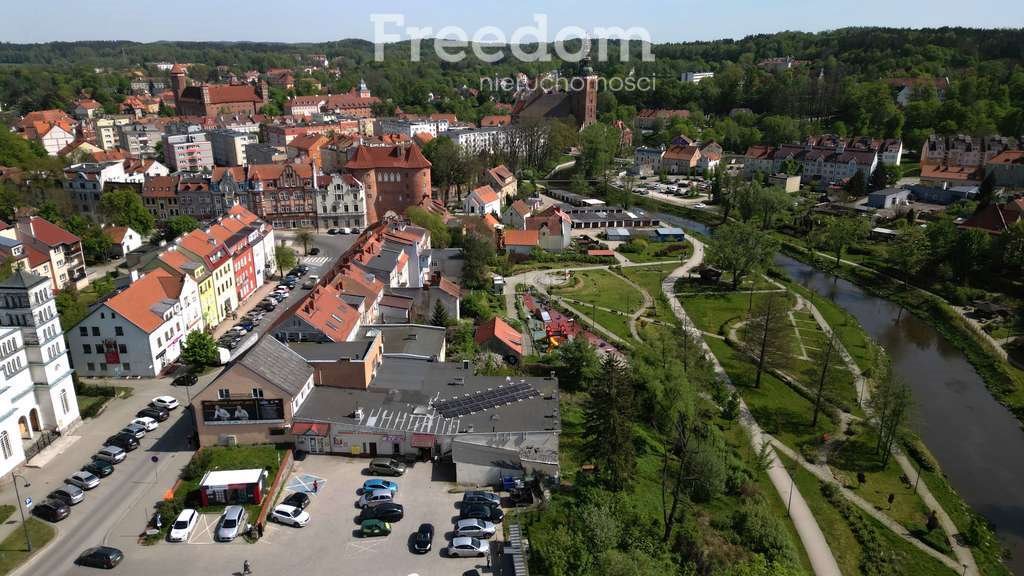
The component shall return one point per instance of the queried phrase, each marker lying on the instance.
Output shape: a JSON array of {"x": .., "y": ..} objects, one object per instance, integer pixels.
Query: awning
[{"x": 310, "y": 429}]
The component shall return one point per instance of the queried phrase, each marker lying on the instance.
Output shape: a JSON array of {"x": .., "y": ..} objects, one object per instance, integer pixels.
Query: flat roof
[
  {"x": 412, "y": 340},
  {"x": 403, "y": 394},
  {"x": 331, "y": 351},
  {"x": 230, "y": 477}
]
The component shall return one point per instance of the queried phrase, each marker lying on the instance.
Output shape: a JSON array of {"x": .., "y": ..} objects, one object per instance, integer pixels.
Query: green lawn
[
  {"x": 89, "y": 405},
  {"x": 231, "y": 458},
  {"x": 847, "y": 328},
  {"x": 695, "y": 285},
  {"x": 602, "y": 288},
  {"x": 650, "y": 278},
  {"x": 712, "y": 312},
  {"x": 661, "y": 252},
  {"x": 13, "y": 551},
  {"x": 5, "y": 512}
]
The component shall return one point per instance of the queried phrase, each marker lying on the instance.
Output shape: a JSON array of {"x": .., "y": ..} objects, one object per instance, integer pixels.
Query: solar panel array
[{"x": 485, "y": 400}]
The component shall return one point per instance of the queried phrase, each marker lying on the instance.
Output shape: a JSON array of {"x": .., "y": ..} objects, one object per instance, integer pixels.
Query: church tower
[
  {"x": 179, "y": 80},
  {"x": 584, "y": 94}
]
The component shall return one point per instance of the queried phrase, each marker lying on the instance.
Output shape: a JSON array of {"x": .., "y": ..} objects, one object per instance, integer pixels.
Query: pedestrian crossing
[{"x": 315, "y": 261}]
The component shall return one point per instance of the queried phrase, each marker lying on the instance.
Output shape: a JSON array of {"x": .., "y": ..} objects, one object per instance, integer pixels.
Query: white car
[
  {"x": 286, "y": 514},
  {"x": 166, "y": 402},
  {"x": 84, "y": 480},
  {"x": 700, "y": 205},
  {"x": 464, "y": 546},
  {"x": 182, "y": 528},
  {"x": 146, "y": 422},
  {"x": 474, "y": 527}
]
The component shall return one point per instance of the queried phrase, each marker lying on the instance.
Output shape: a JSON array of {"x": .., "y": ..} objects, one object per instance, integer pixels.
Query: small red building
[{"x": 233, "y": 487}]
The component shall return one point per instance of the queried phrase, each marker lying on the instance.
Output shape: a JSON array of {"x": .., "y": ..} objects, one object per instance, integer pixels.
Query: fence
[{"x": 46, "y": 437}]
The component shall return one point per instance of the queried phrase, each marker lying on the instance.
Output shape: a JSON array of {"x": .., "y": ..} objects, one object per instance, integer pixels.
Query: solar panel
[{"x": 485, "y": 399}]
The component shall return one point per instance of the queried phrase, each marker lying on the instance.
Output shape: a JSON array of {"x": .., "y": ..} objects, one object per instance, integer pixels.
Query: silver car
[
  {"x": 111, "y": 454},
  {"x": 69, "y": 494},
  {"x": 136, "y": 430},
  {"x": 474, "y": 527},
  {"x": 232, "y": 523},
  {"x": 481, "y": 497},
  {"x": 84, "y": 480}
]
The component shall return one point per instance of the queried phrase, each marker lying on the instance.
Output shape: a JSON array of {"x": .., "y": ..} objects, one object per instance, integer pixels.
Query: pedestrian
[
  {"x": 245, "y": 568},
  {"x": 316, "y": 486},
  {"x": 259, "y": 529}
]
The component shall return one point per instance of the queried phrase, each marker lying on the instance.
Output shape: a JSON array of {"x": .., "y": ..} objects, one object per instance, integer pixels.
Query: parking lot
[{"x": 333, "y": 529}]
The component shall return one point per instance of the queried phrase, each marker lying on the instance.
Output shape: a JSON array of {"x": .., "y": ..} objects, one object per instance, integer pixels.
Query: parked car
[
  {"x": 387, "y": 511},
  {"x": 232, "y": 523},
  {"x": 423, "y": 539},
  {"x": 183, "y": 525},
  {"x": 69, "y": 494},
  {"x": 332, "y": 231},
  {"x": 146, "y": 422},
  {"x": 356, "y": 230},
  {"x": 481, "y": 497},
  {"x": 375, "y": 497},
  {"x": 374, "y": 527},
  {"x": 136, "y": 430},
  {"x": 386, "y": 467},
  {"x": 465, "y": 546},
  {"x": 290, "y": 515},
  {"x": 167, "y": 402},
  {"x": 187, "y": 379},
  {"x": 298, "y": 500},
  {"x": 474, "y": 527},
  {"x": 84, "y": 480},
  {"x": 104, "y": 557},
  {"x": 99, "y": 468},
  {"x": 379, "y": 484},
  {"x": 154, "y": 412},
  {"x": 482, "y": 511},
  {"x": 314, "y": 251},
  {"x": 52, "y": 510},
  {"x": 112, "y": 454},
  {"x": 122, "y": 440}
]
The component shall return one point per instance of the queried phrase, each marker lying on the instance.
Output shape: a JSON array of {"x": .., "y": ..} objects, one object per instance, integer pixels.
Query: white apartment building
[
  {"x": 229, "y": 146},
  {"x": 191, "y": 152},
  {"x": 410, "y": 128},
  {"x": 342, "y": 203},
  {"x": 36, "y": 388},
  {"x": 647, "y": 159},
  {"x": 139, "y": 331},
  {"x": 84, "y": 183},
  {"x": 108, "y": 129},
  {"x": 696, "y": 77},
  {"x": 140, "y": 139},
  {"x": 477, "y": 140}
]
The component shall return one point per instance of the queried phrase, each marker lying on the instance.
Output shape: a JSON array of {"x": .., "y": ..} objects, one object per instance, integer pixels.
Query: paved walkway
[
  {"x": 822, "y": 560},
  {"x": 635, "y": 316}
]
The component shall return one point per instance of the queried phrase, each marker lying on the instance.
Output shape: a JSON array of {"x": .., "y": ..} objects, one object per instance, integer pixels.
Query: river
[{"x": 977, "y": 441}]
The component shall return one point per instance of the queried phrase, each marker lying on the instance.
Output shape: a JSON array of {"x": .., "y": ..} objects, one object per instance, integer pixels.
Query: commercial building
[
  {"x": 341, "y": 203},
  {"x": 37, "y": 392}
]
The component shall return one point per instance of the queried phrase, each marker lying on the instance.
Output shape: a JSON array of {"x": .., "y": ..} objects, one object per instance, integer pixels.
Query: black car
[
  {"x": 100, "y": 468},
  {"x": 124, "y": 441},
  {"x": 100, "y": 557},
  {"x": 158, "y": 414},
  {"x": 186, "y": 379},
  {"x": 482, "y": 512},
  {"x": 52, "y": 510},
  {"x": 386, "y": 511},
  {"x": 299, "y": 500},
  {"x": 423, "y": 539},
  {"x": 314, "y": 251}
]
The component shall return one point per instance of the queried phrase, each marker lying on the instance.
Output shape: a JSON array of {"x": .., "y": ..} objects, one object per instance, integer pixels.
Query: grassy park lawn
[
  {"x": 712, "y": 312},
  {"x": 650, "y": 279},
  {"x": 661, "y": 252},
  {"x": 850, "y": 333},
  {"x": 604, "y": 289},
  {"x": 695, "y": 286},
  {"x": 13, "y": 551}
]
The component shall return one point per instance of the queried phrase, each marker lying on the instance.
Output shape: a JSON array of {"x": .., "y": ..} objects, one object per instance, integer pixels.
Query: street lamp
[{"x": 21, "y": 509}]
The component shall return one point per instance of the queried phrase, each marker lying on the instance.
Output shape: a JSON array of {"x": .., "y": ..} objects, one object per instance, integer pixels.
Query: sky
[{"x": 325, "y": 20}]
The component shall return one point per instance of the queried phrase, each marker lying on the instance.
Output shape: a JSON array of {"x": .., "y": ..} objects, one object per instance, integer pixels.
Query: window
[
  {"x": 86, "y": 349},
  {"x": 83, "y": 331},
  {"x": 223, "y": 394},
  {"x": 5, "y": 444},
  {"x": 103, "y": 367},
  {"x": 257, "y": 392},
  {"x": 95, "y": 331},
  {"x": 127, "y": 367},
  {"x": 64, "y": 401},
  {"x": 92, "y": 367},
  {"x": 118, "y": 331}
]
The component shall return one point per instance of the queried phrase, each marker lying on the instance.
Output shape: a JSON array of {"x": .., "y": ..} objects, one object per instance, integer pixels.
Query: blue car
[{"x": 379, "y": 484}]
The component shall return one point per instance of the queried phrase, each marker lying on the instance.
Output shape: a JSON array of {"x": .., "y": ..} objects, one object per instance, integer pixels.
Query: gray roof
[
  {"x": 330, "y": 351},
  {"x": 278, "y": 365},
  {"x": 22, "y": 278},
  {"x": 400, "y": 398},
  {"x": 415, "y": 340}
]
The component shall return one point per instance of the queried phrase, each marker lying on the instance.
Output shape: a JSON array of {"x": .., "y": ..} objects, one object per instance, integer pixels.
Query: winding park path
[{"x": 823, "y": 562}]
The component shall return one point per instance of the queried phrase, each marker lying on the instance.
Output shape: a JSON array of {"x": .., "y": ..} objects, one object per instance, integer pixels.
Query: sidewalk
[{"x": 250, "y": 303}]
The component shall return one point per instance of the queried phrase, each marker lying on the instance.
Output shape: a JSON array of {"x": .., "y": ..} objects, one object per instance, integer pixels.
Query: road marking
[
  {"x": 304, "y": 483},
  {"x": 368, "y": 545},
  {"x": 315, "y": 261}
]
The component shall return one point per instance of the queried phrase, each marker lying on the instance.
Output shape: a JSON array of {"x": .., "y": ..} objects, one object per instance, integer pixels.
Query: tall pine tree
[{"x": 608, "y": 425}]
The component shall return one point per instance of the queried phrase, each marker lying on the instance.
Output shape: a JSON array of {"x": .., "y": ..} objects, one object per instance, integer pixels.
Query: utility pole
[{"x": 21, "y": 509}]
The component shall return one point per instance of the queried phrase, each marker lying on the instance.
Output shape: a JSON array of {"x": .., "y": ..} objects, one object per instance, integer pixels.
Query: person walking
[
  {"x": 316, "y": 486},
  {"x": 245, "y": 568}
]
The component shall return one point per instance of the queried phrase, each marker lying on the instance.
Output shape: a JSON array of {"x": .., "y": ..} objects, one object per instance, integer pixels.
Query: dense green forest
[{"x": 839, "y": 84}]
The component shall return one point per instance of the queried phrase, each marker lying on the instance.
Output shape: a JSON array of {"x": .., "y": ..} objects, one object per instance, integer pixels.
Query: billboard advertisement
[{"x": 241, "y": 410}]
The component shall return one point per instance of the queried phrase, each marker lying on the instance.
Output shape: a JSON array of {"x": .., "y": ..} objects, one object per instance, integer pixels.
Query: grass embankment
[
  {"x": 602, "y": 289},
  {"x": 13, "y": 549}
]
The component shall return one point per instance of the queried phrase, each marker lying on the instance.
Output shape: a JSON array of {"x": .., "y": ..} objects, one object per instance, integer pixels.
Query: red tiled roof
[
  {"x": 497, "y": 328},
  {"x": 370, "y": 157},
  {"x": 116, "y": 233},
  {"x": 996, "y": 218},
  {"x": 50, "y": 234},
  {"x": 495, "y": 120},
  {"x": 448, "y": 287},
  {"x": 501, "y": 173},
  {"x": 943, "y": 172},
  {"x": 680, "y": 153},
  {"x": 35, "y": 257},
  {"x": 484, "y": 194},
  {"x": 136, "y": 302},
  {"x": 521, "y": 208},
  {"x": 160, "y": 186},
  {"x": 324, "y": 310},
  {"x": 423, "y": 137},
  {"x": 491, "y": 221},
  {"x": 1008, "y": 157},
  {"x": 395, "y": 301},
  {"x": 221, "y": 93},
  {"x": 522, "y": 237}
]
